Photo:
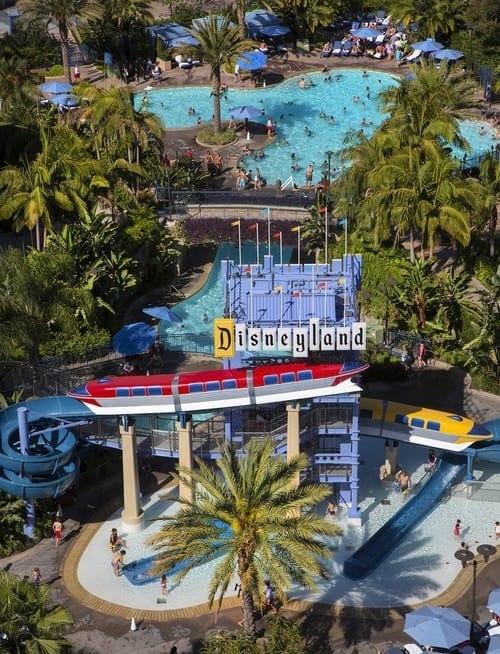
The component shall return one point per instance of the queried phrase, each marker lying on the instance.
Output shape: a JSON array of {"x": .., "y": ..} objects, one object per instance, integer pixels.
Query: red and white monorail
[{"x": 216, "y": 389}]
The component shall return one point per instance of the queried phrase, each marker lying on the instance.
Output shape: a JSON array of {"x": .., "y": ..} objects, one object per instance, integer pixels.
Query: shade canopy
[
  {"x": 55, "y": 87},
  {"x": 274, "y": 30},
  {"x": 66, "y": 99},
  {"x": 240, "y": 113},
  {"x": 437, "y": 626},
  {"x": 366, "y": 33},
  {"x": 183, "y": 41},
  {"x": 135, "y": 338},
  {"x": 448, "y": 54},
  {"x": 168, "y": 32},
  {"x": 253, "y": 60},
  {"x": 219, "y": 20},
  {"x": 259, "y": 18},
  {"x": 429, "y": 45},
  {"x": 494, "y": 601},
  {"x": 162, "y": 313}
]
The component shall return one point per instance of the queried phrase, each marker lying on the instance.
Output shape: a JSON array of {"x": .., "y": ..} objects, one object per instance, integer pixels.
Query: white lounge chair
[{"x": 413, "y": 57}]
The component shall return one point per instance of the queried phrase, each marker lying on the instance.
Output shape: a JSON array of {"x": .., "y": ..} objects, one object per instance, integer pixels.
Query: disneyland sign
[{"x": 231, "y": 337}]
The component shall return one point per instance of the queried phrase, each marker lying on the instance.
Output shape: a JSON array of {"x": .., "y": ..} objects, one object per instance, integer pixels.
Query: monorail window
[
  {"x": 287, "y": 377},
  {"x": 155, "y": 390},
  {"x": 270, "y": 379},
  {"x": 138, "y": 391},
  {"x": 417, "y": 422},
  {"x": 212, "y": 386},
  {"x": 435, "y": 426},
  {"x": 122, "y": 392},
  {"x": 402, "y": 419},
  {"x": 365, "y": 413},
  {"x": 197, "y": 387},
  {"x": 304, "y": 375},
  {"x": 229, "y": 383}
]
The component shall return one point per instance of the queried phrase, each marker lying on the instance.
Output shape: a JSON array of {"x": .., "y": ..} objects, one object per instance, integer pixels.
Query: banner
[{"x": 224, "y": 337}]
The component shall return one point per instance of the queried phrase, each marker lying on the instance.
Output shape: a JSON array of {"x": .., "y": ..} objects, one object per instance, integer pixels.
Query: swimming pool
[{"x": 350, "y": 97}]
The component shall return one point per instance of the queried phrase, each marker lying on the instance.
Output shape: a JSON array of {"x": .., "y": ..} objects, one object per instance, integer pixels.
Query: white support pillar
[
  {"x": 293, "y": 433},
  {"x": 185, "y": 433},
  {"x": 132, "y": 514}
]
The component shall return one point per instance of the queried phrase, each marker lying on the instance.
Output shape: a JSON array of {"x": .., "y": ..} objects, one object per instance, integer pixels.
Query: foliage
[
  {"x": 283, "y": 636},
  {"x": 76, "y": 347},
  {"x": 31, "y": 44},
  {"x": 12, "y": 519},
  {"x": 384, "y": 367},
  {"x": 27, "y": 619},
  {"x": 55, "y": 71},
  {"x": 230, "y": 643},
  {"x": 252, "y": 516},
  {"x": 209, "y": 136}
]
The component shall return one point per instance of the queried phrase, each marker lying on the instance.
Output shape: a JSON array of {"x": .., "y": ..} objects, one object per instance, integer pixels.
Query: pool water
[{"x": 303, "y": 136}]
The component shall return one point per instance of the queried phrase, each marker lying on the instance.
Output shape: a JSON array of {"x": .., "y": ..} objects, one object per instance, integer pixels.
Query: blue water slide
[
  {"x": 51, "y": 465},
  {"x": 382, "y": 542}
]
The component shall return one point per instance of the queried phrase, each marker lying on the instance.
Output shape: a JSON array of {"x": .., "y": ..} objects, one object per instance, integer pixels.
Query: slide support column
[
  {"x": 22, "y": 420},
  {"x": 184, "y": 428},
  {"x": 293, "y": 433},
  {"x": 132, "y": 514}
]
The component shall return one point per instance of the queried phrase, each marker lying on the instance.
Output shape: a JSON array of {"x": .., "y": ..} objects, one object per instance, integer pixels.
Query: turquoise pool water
[{"x": 350, "y": 97}]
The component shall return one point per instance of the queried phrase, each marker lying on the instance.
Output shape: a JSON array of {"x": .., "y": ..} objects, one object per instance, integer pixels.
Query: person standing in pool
[
  {"x": 117, "y": 562},
  {"x": 163, "y": 585},
  {"x": 309, "y": 175}
]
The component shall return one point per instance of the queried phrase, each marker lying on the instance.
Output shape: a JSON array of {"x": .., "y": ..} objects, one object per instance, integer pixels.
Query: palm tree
[
  {"x": 27, "y": 621},
  {"x": 432, "y": 17},
  {"x": 415, "y": 294},
  {"x": 254, "y": 519},
  {"x": 123, "y": 15},
  {"x": 220, "y": 44},
  {"x": 65, "y": 14},
  {"x": 490, "y": 180}
]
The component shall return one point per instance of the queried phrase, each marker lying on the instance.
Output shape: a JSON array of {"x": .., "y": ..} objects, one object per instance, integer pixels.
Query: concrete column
[
  {"x": 184, "y": 432},
  {"x": 293, "y": 432},
  {"x": 132, "y": 514},
  {"x": 391, "y": 455}
]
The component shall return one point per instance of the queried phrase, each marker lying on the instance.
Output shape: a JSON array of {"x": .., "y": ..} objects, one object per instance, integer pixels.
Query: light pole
[
  {"x": 474, "y": 577},
  {"x": 329, "y": 154}
]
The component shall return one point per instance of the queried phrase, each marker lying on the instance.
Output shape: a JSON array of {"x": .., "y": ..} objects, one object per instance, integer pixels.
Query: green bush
[
  {"x": 211, "y": 137},
  {"x": 55, "y": 71},
  {"x": 385, "y": 368}
]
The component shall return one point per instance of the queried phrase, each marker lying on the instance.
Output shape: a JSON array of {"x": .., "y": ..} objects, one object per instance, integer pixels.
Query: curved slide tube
[
  {"x": 51, "y": 466},
  {"x": 378, "y": 546}
]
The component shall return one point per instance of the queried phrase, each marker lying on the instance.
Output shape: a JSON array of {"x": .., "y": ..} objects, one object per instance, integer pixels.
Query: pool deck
[{"x": 104, "y": 626}]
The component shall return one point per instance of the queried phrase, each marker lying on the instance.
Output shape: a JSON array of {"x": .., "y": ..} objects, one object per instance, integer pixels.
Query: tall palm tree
[
  {"x": 124, "y": 15},
  {"x": 433, "y": 18},
  {"x": 26, "y": 619},
  {"x": 490, "y": 180},
  {"x": 220, "y": 44},
  {"x": 65, "y": 14},
  {"x": 251, "y": 516}
]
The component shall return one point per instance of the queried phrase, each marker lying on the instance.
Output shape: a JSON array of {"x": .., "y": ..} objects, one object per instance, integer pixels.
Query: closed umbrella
[
  {"x": 247, "y": 111},
  {"x": 494, "y": 601},
  {"x": 274, "y": 30},
  {"x": 253, "y": 60},
  {"x": 448, "y": 54},
  {"x": 162, "y": 313},
  {"x": 366, "y": 33},
  {"x": 437, "y": 627},
  {"x": 55, "y": 87},
  {"x": 429, "y": 45},
  {"x": 135, "y": 338}
]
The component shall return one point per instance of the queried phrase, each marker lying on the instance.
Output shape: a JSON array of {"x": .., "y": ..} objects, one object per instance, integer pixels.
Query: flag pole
[
  {"x": 298, "y": 245},
  {"x": 281, "y": 250},
  {"x": 269, "y": 231},
  {"x": 239, "y": 241},
  {"x": 257, "y": 239}
]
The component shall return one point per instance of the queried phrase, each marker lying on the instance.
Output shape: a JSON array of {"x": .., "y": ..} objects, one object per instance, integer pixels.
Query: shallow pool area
[
  {"x": 309, "y": 122},
  {"x": 418, "y": 569}
]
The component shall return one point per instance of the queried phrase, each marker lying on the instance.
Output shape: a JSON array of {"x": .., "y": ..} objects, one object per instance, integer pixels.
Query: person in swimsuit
[
  {"x": 117, "y": 562},
  {"x": 57, "y": 528}
]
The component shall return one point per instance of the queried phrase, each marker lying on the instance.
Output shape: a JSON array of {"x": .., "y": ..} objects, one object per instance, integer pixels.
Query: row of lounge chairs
[{"x": 339, "y": 49}]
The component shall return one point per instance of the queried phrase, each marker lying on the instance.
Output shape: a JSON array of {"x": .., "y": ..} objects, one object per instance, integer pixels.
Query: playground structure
[{"x": 44, "y": 463}]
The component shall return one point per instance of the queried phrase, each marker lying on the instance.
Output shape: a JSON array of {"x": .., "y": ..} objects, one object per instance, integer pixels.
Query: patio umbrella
[
  {"x": 66, "y": 99},
  {"x": 494, "y": 601},
  {"x": 429, "y": 45},
  {"x": 183, "y": 41},
  {"x": 366, "y": 33},
  {"x": 55, "y": 87},
  {"x": 247, "y": 111},
  {"x": 253, "y": 60},
  {"x": 274, "y": 30},
  {"x": 437, "y": 626},
  {"x": 447, "y": 53},
  {"x": 220, "y": 20},
  {"x": 135, "y": 338},
  {"x": 494, "y": 646},
  {"x": 162, "y": 313}
]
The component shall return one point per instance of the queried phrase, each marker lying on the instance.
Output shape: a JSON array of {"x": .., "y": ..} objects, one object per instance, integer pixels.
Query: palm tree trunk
[
  {"x": 248, "y": 608},
  {"x": 63, "y": 36},
  {"x": 493, "y": 230},
  {"x": 216, "y": 96},
  {"x": 412, "y": 245},
  {"x": 240, "y": 13}
]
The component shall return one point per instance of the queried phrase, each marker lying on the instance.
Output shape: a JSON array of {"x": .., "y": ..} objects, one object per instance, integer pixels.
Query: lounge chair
[
  {"x": 346, "y": 49},
  {"x": 413, "y": 57},
  {"x": 326, "y": 50},
  {"x": 337, "y": 48}
]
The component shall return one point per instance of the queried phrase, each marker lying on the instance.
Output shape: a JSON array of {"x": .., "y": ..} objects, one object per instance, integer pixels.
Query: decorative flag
[
  {"x": 254, "y": 226},
  {"x": 277, "y": 235},
  {"x": 296, "y": 293},
  {"x": 295, "y": 229},
  {"x": 322, "y": 284},
  {"x": 278, "y": 289},
  {"x": 235, "y": 223}
]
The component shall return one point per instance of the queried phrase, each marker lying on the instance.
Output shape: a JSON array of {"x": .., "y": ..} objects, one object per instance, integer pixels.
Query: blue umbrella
[
  {"x": 447, "y": 53},
  {"x": 55, "y": 87},
  {"x": 65, "y": 99},
  {"x": 252, "y": 60},
  {"x": 162, "y": 313},
  {"x": 183, "y": 41},
  {"x": 134, "y": 338},
  {"x": 437, "y": 627},
  {"x": 262, "y": 16},
  {"x": 240, "y": 113},
  {"x": 494, "y": 601},
  {"x": 220, "y": 21},
  {"x": 429, "y": 45},
  {"x": 494, "y": 646},
  {"x": 366, "y": 33},
  {"x": 274, "y": 30}
]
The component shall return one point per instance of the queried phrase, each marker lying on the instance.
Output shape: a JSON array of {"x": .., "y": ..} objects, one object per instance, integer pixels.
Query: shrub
[
  {"x": 210, "y": 137},
  {"x": 55, "y": 71}
]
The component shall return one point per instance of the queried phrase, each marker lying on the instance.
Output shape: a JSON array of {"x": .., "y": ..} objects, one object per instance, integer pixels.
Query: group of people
[
  {"x": 247, "y": 179},
  {"x": 214, "y": 163},
  {"x": 422, "y": 356}
]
